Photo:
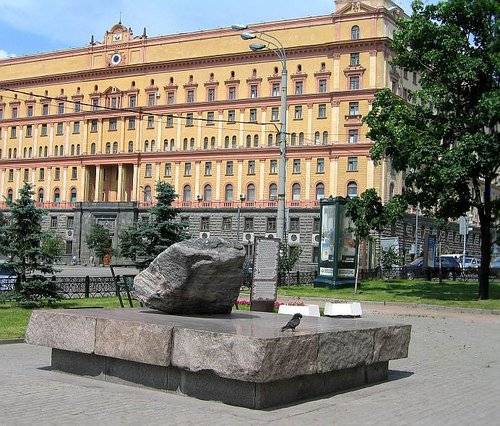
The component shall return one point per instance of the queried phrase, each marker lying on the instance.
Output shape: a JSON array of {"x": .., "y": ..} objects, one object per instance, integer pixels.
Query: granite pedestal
[{"x": 240, "y": 359}]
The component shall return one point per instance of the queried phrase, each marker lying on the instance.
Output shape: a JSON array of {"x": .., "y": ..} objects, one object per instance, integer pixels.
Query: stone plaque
[{"x": 265, "y": 272}]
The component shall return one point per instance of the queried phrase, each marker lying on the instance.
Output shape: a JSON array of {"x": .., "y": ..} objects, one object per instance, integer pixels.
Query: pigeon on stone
[{"x": 294, "y": 322}]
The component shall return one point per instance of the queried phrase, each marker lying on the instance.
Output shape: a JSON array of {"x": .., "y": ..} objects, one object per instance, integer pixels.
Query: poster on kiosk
[{"x": 337, "y": 251}]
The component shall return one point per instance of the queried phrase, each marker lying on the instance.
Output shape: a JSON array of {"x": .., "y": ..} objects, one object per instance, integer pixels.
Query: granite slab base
[{"x": 240, "y": 359}]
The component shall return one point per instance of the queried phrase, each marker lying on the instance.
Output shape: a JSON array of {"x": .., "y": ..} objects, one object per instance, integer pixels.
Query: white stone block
[
  {"x": 343, "y": 309},
  {"x": 306, "y": 310}
]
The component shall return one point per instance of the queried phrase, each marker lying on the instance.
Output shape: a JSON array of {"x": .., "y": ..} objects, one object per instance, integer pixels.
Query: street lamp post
[
  {"x": 242, "y": 198},
  {"x": 280, "y": 52}
]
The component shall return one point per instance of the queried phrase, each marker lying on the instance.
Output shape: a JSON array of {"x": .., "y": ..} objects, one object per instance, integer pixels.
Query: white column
[
  {"x": 18, "y": 183},
  {"x": 20, "y": 141},
  {"x": 178, "y": 142},
  {"x": 82, "y": 184},
  {"x": 48, "y": 178},
  {"x": 336, "y": 71},
  {"x": 370, "y": 173},
  {"x": 217, "y": 179},
  {"x": 219, "y": 130},
  {"x": 97, "y": 192},
  {"x": 262, "y": 169},
  {"x": 199, "y": 142},
  {"x": 373, "y": 68},
  {"x": 263, "y": 135},
  {"x": 2, "y": 180},
  {"x": 176, "y": 176},
  {"x": 123, "y": 143},
  {"x": 240, "y": 180},
  {"x": 51, "y": 139},
  {"x": 159, "y": 142},
  {"x": 85, "y": 147},
  {"x": 241, "y": 142},
  {"x": 4, "y": 145},
  {"x": 334, "y": 123},
  {"x": 135, "y": 183},
  {"x": 64, "y": 188},
  {"x": 119, "y": 194},
  {"x": 35, "y": 141},
  {"x": 66, "y": 138},
  {"x": 334, "y": 181},
  {"x": 308, "y": 178},
  {"x": 100, "y": 134},
  {"x": 309, "y": 122},
  {"x": 196, "y": 178}
]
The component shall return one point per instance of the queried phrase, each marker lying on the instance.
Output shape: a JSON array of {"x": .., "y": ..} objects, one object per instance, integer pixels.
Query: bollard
[{"x": 87, "y": 287}]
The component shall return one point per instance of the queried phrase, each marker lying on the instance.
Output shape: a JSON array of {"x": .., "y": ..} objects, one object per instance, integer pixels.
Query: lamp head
[
  {"x": 238, "y": 27},
  {"x": 257, "y": 46},
  {"x": 247, "y": 35}
]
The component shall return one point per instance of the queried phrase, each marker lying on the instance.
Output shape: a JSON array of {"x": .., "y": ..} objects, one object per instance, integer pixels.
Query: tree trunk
[{"x": 485, "y": 226}]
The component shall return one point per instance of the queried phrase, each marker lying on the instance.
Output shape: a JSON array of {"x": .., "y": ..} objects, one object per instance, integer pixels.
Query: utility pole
[
  {"x": 281, "y": 220},
  {"x": 416, "y": 230}
]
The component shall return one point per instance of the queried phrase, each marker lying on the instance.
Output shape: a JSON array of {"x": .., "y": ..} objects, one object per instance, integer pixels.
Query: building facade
[{"x": 94, "y": 128}]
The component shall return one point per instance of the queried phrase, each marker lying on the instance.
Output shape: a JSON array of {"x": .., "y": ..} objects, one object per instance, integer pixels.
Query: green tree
[
  {"x": 99, "y": 242},
  {"x": 145, "y": 240},
  {"x": 446, "y": 140},
  {"x": 29, "y": 251}
]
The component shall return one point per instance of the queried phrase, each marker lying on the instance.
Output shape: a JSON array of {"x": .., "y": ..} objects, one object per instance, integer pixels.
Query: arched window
[
  {"x": 185, "y": 144},
  {"x": 256, "y": 140},
  {"x": 186, "y": 193},
  {"x": 301, "y": 138},
  {"x": 296, "y": 192},
  {"x": 15, "y": 152},
  {"x": 316, "y": 138},
  {"x": 40, "y": 151},
  {"x": 251, "y": 192},
  {"x": 233, "y": 142},
  {"x": 293, "y": 139},
  {"x": 10, "y": 195},
  {"x": 277, "y": 139},
  {"x": 228, "y": 193},
  {"x": 56, "y": 150},
  {"x": 352, "y": 189},
  {"x": 270, "y": 140},
  {"x": 57, "y": 196},
  {"x": 78, "y": 149},
  {"x": 153, "y": 145},
  {"x": 355, "y": 32},
  {"x": 115, "y": 147},
  {"x": 72, "y": 197},
  {"x": 72, "y": 150},
  {"x": 191, "y": 143},
  {"x": 25, "y": 152},
  {"x": 207, "y": 193},
  {"x": 46, "y": 151},
  {"x": 130, "y": 146},
  {"x": 212, "y": 142},
  {"x": 325, "y": 138},
  {"x": 226, "y": 142},
  {"x": 30, "y": 152},
  {"x": 41, "y": 195},
  {"x": 320, "y": 191},
  {"x": 205, "y": 143},
  {"x": 10, "y": 152},
  {"x": 249, "y": 141},
  {"x": 146, "y": 146},
  {"x": 165, "y": 144},
  {"x": 61, "y": 150},
  {"x": 147, "y": 194},
  {"x": 172, "y": 144},
  {"x": 273, "y": 192}
]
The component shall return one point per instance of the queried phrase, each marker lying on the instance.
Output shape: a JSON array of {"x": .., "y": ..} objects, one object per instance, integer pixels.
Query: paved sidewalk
[{"x": 452, "y": 376}]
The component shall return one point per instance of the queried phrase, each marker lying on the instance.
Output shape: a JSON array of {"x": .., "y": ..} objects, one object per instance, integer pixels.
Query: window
[
  {"x": 41, "y": 174},
  {"x": 205, "y": 224},
  {"x": 170, "y": 120},
  {"x": 316, "y": 224},
  {"x": 296, "y": 192},
  {"x": 296, "y": 166},
  {"x": 210, "y": 118},
  {"x": 132, "y": 101},
  {"x": 76, "y": 127},
  {"x": 149, "y": 170},
  {"x": 130, "y": 147},
  {"x": 170, "y": 98},
  {"x": 93, "y": 126},
  {"x": 74, "y": 173},
  {"x": 112, "y": 124},
  {"x": 77, "y": 106},
  {"x": 275, "y": 89},
  {"x": 273, "y": 167},
  {"x": 10, "y": 195},
  {"x": 320, "y": 191},
  {"x": 322, "y": 111},
  {"x": 189, "y": 119},
  {"x": 151, "y": 99},
  {"x": 211, "y": 95},
  {"x": 320, "y": 165},
  {"x": 253, "y": 115},
  {"x": 147, "y": 194},
  {"x": 325, "y": 138},
  {"x": 301, "y": 138},
  {"x": 354, "y": 59},
  {"x": 13, "y": 132},
  {"x": 29, "y": 111},
  {"x": 273, "y": 192},
  {"x": 299, "y": 87},
  {"x": 60, "y": 129},
  {"x": 168, "y": 169},
  {"x": 41, "y": 195},
  {"x": 317, "y": 140},
  {"x": 294, "y": 224},
  {"x": 248, "y": 224},
  {"x": 57, "y": 173},
  {"x": 228, "y": 193},
  {"x": 355, "y": 32},
  {"x": 151, "y": 122},
  {"x": 353, "y": 136},
  {"x": 271, "y": 224},
  {"x": 208, "y": 168},
  {"x": 226, "y": 223},
  {"x": 270, "y": 140},
  {"x": 45, "y": 109},
  {"x": 353, "y": 108},
  {"x": 231, "y": 93},
  {"x": 229, "y": 168},
  {"x": 26, "y": 176},
  {"x": 186, "y": 193},
  {"x": 251, "y": 192},
  {"x": 315, "y": 254},
  {"x": 72, "y": 196},
  {"x": 254, "y": 91},
  {"x": 251, "y": 167},
  {"x": 352, "y": 164},
  {"x": 190, "y": 96},
  {"x": 115, "y": 147},
  {"x": 352, "y": 190},
  {"x": 57, "y": 196},
  {"x": 275, "y": 114},
  {"x": 207, "y": 193},
  {"x": 29, "y": 131},
  {"x": 131, "y": 123},
  {"x": 60, "y": 108},
  {"x": 298, "y": 112},
  {"x": 187, "y": 169},
  {"x": 95, "y": 104},
  {"x": 354, "y": 82},
  {"x": 231, "y": 116},
  {"x": 322, "y": 86},
  {"x": 205, "y": 143},
  {"x": 53, "y": 221},
  {"x": 108, "y": 148}
]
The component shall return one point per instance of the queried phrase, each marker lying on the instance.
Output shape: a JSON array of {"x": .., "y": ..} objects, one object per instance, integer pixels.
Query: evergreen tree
[
  {"x": 27, "y": 249},
  {"x": 145, "y": 240},
  {"x": 446, "y": 140},
  {"x": 99, "y": 242}
]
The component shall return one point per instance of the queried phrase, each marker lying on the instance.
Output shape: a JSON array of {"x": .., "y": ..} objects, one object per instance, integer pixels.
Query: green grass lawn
[
  {"x": 14, "y": 319},
  {"x": 449, "y": 293}
]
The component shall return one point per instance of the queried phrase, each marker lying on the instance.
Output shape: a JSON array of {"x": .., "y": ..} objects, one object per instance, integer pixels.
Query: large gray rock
[{"x": 198, "y": 276}]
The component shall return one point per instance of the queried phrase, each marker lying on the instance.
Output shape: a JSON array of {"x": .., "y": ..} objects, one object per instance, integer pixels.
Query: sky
[{"x": 32, "y": 26}]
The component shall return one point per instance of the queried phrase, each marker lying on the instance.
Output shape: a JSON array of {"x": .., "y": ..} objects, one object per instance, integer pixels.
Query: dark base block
[
  {"x": 262, "y": 306},
  {"x": 208, "y": 386}
]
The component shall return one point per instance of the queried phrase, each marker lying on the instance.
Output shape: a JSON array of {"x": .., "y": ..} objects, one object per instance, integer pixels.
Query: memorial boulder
[{"x": 197, "y": 276}]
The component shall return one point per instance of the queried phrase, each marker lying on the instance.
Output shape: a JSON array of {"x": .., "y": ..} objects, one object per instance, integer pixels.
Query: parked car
[
  {"x": 450, "y": 268},
  {"x": 7, "y": 278}
]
